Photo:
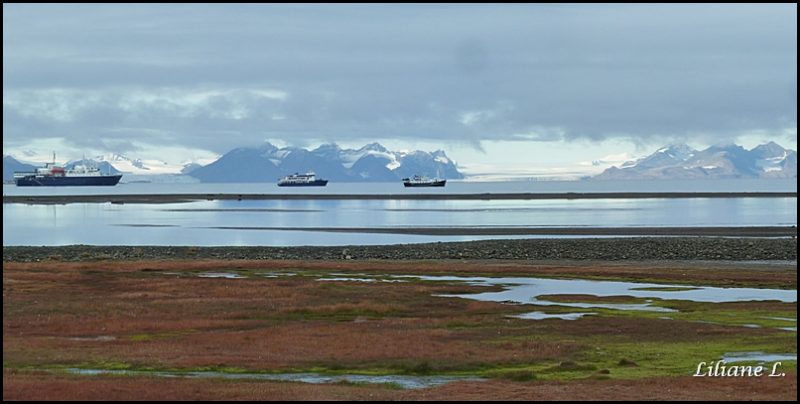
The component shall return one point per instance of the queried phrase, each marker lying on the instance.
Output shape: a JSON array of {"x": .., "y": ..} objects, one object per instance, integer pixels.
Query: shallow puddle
[
  {"x": 406, "y": 382},
  {"x": 782, "y": 319},
  {"x": 668, "y": 288},
  {"x": 226, "y": 275},
  {"x": 528, "y": 291},
  {"x": 757, "y": 357},
  {"x": 538, "y": 315},
  {"x": 536, "y": 290},
  {"x": 277, "y": 274},
  {"x": 368, "y": 280}
]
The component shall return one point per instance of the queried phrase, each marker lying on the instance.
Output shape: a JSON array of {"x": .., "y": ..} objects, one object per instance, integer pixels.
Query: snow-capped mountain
[
  {"x": 116, "y": 162},
  {"x": 775, "y": 161},
  {"x": 128, "y": 165},
  {"x": 729, "y": 161},
  {"x": 372, "y": 162}
]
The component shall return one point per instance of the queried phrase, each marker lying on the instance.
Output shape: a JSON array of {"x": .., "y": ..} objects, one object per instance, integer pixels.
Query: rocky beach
[{"x": 609, "y": 249}]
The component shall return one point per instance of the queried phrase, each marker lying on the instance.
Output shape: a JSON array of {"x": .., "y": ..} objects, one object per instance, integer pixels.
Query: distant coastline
[
  {"x": 176, "y": 198},
  {"x": 716, "y": 231}
]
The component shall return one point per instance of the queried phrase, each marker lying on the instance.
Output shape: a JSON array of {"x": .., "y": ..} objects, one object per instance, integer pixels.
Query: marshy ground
[{"x": 281, "y": 316}]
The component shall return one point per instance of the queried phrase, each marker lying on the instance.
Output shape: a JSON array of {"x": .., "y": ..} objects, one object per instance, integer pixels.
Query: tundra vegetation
[{"x": 279, "y": 317}]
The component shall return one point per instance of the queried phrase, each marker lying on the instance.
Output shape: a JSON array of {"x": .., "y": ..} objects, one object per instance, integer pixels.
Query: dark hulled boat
[
  {"x": 302, "y": 180},
  {"x": 52, "y": 175},
  {"x": 421, "y": 181}
]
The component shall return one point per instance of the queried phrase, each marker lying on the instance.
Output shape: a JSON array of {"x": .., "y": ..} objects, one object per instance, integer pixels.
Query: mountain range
[
  {"x": 375, "y": 163},
  {"x": 371, "y": 163},
  {"x": 267, "y": 163},
  {"x": 680, "y": 161}
]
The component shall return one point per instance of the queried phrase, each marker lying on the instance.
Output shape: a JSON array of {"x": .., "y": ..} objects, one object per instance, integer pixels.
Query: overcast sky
[{"x": 541, "y": 82}]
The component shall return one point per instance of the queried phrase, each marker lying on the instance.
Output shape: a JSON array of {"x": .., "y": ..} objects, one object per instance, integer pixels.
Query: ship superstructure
[
  {"x": 54, "y": 175},
  {"x": 422, "y": 181},
  {"x": 302, "y": 180}
]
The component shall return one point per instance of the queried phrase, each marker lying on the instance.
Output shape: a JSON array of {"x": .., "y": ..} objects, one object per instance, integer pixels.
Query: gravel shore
[
  {"x": 718, "y": 231},
  {"x": 608, "y": 249}
]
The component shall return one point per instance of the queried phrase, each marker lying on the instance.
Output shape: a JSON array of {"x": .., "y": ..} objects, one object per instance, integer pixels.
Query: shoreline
[
  {"x": 525, "y": 250},
  {"x": 721, "y": 231},
  {"x": 178, "y": 198}
]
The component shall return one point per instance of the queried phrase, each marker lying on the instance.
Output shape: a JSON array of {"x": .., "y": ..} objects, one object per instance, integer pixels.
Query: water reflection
[
  {"x": 194, "y": 223},
  {"x": 453, "y": 187},
  {"x": 406, "y": 382}
]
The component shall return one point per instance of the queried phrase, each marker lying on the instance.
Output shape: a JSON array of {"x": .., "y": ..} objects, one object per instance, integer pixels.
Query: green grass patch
[
  {"x": 739, "y": 314},
  {"x": 516, "y": 375},
  {"x": 635, "y": 360}
]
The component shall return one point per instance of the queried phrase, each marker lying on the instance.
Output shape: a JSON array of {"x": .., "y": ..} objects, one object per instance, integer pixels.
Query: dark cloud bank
[{"x": 221, "y": 76}]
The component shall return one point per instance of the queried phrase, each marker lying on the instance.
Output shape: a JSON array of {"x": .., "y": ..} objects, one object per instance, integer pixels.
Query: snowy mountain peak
[
  {"x": 327, "y": 147},
  {"x": 375, "y": 146},
  {"x": 678, "y": 151},
  {"x": 719, "y": 161},
  {"x": 128, "y": 165},
  {"x": 440, "y": 156},
  {"x": 372, "y": 162},
  {"x": 726, "y": 148},
  {"x": 265, "y": 148},
  {"x": 770, "y": 150},
  {"x": 111, "y": 158}
]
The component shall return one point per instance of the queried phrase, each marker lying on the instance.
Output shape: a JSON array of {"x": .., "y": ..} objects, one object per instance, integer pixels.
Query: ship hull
[
  {"x": 426, "y": 184},
  {"x": 316, "y": 183},
  {"x": 34, "y": 181}
]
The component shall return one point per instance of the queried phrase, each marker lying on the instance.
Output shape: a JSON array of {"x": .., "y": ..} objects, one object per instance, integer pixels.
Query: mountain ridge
[
  {"x": 680, "y": 161},
  {"x": 369, "y": 163}
]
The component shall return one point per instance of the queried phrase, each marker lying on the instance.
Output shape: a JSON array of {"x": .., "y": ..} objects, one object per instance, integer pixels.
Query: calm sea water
[
  {"x": 194, "y": 223},
  {"x": 453, "y": 187}
]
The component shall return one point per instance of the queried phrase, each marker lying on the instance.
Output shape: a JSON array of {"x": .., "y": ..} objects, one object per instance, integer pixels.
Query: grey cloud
[{"x": 525, "y": 72}]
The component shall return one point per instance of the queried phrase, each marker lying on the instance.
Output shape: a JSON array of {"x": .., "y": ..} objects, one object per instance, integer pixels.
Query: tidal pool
[
  {"x": 535, "y": 290},
  {"x": 757, "y": 357},
  {"x": 406, "y": 382},
  {"x": 528, "y": 291},
  {"x": 538, "y": 315},
  {"x": 226, "y": 275}
]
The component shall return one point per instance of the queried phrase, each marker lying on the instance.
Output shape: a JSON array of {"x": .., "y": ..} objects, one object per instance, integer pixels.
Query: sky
[{"x": 514, "y": 88}]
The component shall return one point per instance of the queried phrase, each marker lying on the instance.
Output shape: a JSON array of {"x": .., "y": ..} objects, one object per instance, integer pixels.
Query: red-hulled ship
[{"x": 53, "y": 175}]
